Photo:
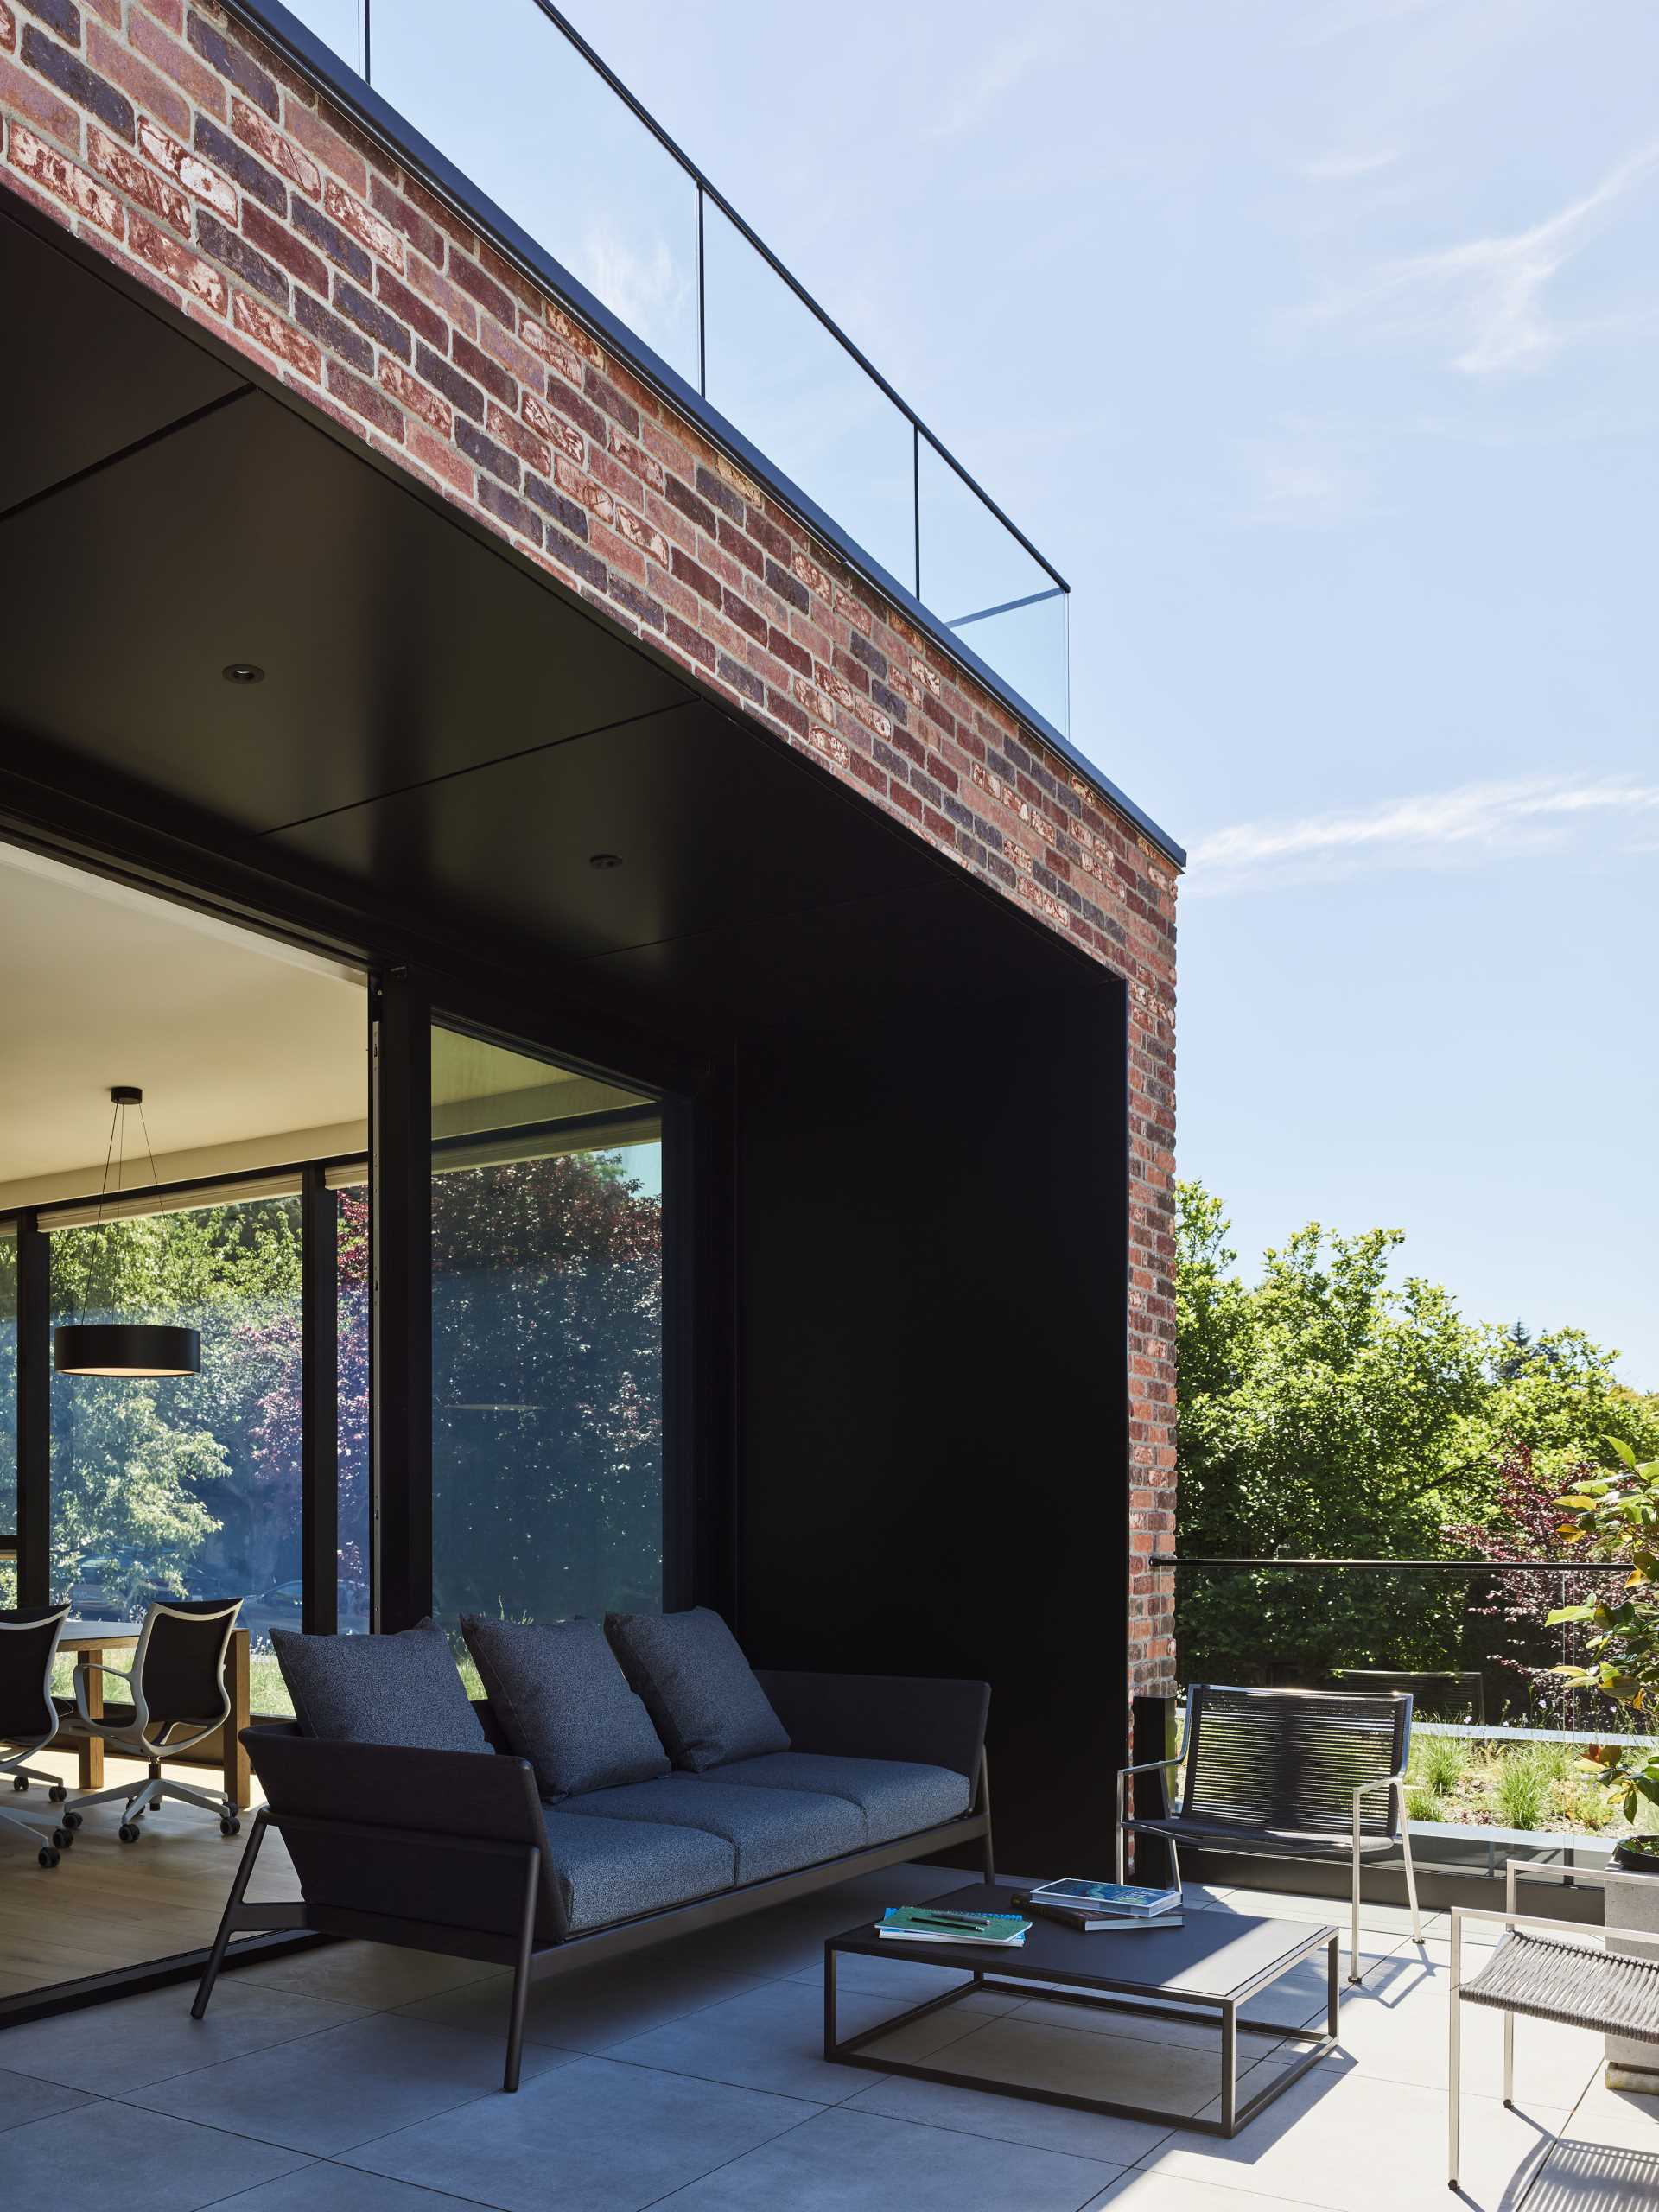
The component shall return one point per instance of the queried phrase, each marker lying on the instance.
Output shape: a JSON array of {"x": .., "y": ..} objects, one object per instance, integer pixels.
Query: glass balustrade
[{"x": 521, "y": 108}]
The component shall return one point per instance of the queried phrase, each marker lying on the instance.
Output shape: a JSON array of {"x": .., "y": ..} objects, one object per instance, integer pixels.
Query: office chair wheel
[
  {"x": 70, "y": 1818},
  {"x": 20, "y": 1782},
  {"x": 48, "y": 1856},
  {"x": 62, "y": 1839},
  {"x": 128, "y": 1832},
  {"x": 230, "y": 1825},
  {"x": 56, "y": 1794}
]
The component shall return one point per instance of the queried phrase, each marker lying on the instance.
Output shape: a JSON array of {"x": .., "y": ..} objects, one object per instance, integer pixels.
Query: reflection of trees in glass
[
  {"x": 548, "y": 1426},
  {"x": 174, "y": 1485},
  {"x": 547, "y": 1348}
]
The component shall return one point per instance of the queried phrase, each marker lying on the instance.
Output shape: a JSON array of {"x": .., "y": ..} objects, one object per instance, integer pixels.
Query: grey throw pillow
[
  {"x": 403, "y": 1689},
  {"x": 564, "y": 1704},
  {"x": 698, "y": 1688}
]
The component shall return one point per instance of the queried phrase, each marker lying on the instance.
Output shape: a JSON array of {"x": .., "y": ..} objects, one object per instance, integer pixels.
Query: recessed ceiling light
[
  {"x": 243, "y": 672},
  {"x": 605, "y": 860}
]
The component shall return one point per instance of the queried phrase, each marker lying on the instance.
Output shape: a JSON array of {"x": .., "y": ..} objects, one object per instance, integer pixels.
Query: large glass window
[
  {"x": 187, "y": 1487},
  {"x": 8, "y": 1416},
  {"x": 352, "y": 1407},
  {"x": 547, "y": 1300}
]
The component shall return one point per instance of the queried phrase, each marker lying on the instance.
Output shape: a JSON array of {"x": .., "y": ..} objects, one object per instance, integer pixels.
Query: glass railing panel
[
  {"x": 338, "y": 23},
  {"x": 505, "y": 96},
  {"x": 981, "y": 582},
  {"x": 794, "y": 390}
]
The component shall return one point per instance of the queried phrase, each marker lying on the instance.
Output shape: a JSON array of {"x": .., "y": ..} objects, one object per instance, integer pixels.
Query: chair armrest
[
  {"x": 84, "y": 1667},
  {"x": 934, "y": 1722},
  {"x": 1146, "y": 1766}
]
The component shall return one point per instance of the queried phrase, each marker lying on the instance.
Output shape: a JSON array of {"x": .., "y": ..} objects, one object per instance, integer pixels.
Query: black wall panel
[{"x": 932, "y": 1432}]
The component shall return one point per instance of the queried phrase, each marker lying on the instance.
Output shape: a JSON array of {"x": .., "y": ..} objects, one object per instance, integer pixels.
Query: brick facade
[{"x": 168, "y": 138}]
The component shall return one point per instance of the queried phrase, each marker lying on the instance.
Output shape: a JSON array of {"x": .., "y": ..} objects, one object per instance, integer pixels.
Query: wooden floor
[{"x": 109, "y": 1904}]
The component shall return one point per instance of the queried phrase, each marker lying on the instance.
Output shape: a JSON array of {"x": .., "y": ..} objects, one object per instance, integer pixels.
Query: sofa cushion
[
  {"x": 772, "y": 1831},
  {"x": 403, "y": 1689},
  {"x": 564, "y": 1704},
  {"x": 896, "y": 1796},
  {"x": 610, "y": 1869},
  {"x": 698, "y": 1688}
]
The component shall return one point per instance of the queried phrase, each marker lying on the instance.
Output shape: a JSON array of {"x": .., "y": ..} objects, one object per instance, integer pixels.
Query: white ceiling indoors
[{"x": 249, "y": 1054}]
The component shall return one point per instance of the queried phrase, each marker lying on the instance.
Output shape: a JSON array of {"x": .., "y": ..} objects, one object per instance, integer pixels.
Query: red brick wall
[{"x": 169, "y": 139}]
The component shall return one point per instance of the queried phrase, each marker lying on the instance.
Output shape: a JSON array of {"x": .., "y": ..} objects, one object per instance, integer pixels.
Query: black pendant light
[{"x": 128, "y": 1349}]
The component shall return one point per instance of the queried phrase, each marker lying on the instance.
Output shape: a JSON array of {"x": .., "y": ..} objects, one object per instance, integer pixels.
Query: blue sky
[{"x": 1316, "y": 343}]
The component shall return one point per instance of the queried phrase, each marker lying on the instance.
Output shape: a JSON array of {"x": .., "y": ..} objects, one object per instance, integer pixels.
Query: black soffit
[
  {"x": 439, "y": 731},
  {"x": 85, "y": 371}
]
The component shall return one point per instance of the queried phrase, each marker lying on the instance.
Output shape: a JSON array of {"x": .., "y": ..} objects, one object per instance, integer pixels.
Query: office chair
[
  {"x": 179, "y": 1699},
  {"x": 29, "y": 1717}
]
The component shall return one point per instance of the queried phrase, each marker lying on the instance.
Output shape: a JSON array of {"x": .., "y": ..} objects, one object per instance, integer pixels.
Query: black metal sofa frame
[{"x": 447, "y": 1851}]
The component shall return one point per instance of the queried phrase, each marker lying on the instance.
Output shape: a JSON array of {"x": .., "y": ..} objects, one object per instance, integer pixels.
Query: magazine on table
[{"x": 1111, "y": 1900}]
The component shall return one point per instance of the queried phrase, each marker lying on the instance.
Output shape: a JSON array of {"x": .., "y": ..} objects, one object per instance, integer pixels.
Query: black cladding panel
[
  {"x": 85, "y": 371},
  {"x": 396, "y": 645},
  {"x": 717, "y": 832}
]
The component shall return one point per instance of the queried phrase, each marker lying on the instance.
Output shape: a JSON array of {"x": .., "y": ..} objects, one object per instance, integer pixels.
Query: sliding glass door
[{"x": 547, "y": 1337}]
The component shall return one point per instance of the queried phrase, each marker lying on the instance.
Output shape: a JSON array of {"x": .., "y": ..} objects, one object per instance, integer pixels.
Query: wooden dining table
[{"x": 93, "y": 1639}]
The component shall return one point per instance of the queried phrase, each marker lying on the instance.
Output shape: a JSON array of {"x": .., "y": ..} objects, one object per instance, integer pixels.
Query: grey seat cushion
[
  {"x": 610, "y": 1869},
  {"x": 772, "y": 1831},
  {"x": 896, "y": 1796},
  {"x": 403, "y": 1689},
  {"x": 698, "y": 1688},
  {"x": 564, "y": 1704}
]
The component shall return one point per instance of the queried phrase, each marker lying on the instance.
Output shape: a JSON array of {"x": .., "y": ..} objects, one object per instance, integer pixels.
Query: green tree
[{"x": 1318, "y": 1409}]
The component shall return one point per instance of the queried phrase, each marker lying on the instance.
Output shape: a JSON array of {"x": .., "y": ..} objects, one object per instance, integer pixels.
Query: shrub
[
  {"x": 1439, "y": 1762},
  {"x": 1521, "y": 1792},
  {"x": 1422, "y": 1804}
]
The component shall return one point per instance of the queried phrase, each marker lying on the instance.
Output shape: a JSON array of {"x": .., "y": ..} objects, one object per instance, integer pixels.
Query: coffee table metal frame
[{"x": 1189, "y": 2006}]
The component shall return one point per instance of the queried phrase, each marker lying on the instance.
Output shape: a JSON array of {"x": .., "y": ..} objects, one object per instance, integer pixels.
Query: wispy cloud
[
  {"x": 1459, "y": 829},
  {"x": 1346, "y": 167},
  {"x": 1486, "y": 298},
  {"x": 966, "y": 103},
  {"x": 1305, "y": 475}
]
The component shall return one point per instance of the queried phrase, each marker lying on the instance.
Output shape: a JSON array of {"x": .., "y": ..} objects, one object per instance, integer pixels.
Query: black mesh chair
[
  {"x": 179, "y": 1699},
  {"x": 29, "y": 1716},
  {"x": 1287, "y": 1773}
]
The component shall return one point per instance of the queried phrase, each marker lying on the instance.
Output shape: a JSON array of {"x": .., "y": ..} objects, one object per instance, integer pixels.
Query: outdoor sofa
[{"x": 441, "y": 1850}]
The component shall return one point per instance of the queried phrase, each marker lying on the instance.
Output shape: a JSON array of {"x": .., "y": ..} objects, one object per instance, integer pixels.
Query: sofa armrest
[
  {"x": 410, "y": 1834},
  {"x": 933, "y": 1722}
]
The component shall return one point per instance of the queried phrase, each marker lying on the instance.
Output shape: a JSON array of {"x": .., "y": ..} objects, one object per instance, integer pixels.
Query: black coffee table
[{"x": 1206, "y": 1969}]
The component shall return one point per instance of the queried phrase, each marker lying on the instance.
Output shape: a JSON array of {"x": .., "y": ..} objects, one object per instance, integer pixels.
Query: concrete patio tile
[
  {"x": 140, "y": 2161},
  {"x": 1010, "y": 2119},
  {"x": 1604, "y": 2115},
  {"x": 324, "y": 2188},
  {"x": 590, "y": 2010},
  {"x": 23, "y": 2098},
  {"x": 1144, "y": 2192},
  {"x": 1126, "y": 2068},
  {"x": 1374, "y": 1918},
  {"x": 338, "y": 2089},
  {"x": 773, "y": 2039},
  {"x": 1397, "y": 2031},
  {"x": 1583, "y": 2175},
  {"x": 362, "y": 1977},
  {"x": 115, "y": 2049},
  {"x": 591, "y": 2137},
  {"x": 1347, "y": 2142},
  {"x": 844, "y": 2161}
]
